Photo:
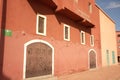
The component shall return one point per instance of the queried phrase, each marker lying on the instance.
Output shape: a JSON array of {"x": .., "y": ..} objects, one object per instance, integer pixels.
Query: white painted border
[
  {"x": 68, "y": 32},
  {"x": 45, "y": 23},
  {"x": 83, "y": 37},
  {"x": 92, "y": 37},
  {"x": 89, "y": 59},
  {"x": 25, "y": 48}
]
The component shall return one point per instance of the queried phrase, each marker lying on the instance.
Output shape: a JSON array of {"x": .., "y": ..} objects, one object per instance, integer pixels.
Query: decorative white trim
[
  {"x": 25, "y": 48},
  {"x": 45, "y": 23},
  {"x": 68, "y": 32},
  {"x": 89, "y": 58},
  {"x": 92, "y": 40},
  {"x": 84, "y": 41}
]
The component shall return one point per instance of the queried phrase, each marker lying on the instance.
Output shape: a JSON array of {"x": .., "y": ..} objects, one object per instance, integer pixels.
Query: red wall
[
  {"x": 118, "y": 44},
  {"x": 96, "y": 32},
  {"x": 70, "y": 56}
]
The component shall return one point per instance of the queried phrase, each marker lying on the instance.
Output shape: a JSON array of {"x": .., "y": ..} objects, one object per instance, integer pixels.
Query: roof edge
[{"x": 104, "y": 12}]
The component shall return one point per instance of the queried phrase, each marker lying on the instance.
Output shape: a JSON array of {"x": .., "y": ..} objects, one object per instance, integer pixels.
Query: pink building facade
[
  {"x": 118, "y": 44},
  {"x": 108, "y": 48},
  {"x": 48, "y": 38}
]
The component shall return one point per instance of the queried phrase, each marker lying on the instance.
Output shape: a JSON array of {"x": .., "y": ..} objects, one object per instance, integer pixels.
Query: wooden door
[
  {"x": 92, "y": 57},
  {"x": 38, "y": 60}
]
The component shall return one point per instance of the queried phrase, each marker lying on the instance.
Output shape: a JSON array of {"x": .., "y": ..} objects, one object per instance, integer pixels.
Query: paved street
[{"x": 106, "y": 73}]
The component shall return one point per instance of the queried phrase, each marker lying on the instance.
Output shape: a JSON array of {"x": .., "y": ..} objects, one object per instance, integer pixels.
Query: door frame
[
  {"x": 25, "y": 48},
  {"x": 89, "y": 58}
]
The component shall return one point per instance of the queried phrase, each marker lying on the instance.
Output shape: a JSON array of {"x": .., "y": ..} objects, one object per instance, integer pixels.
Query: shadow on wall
[
  {"x": 5, "y": 77},
  {"x": 2, "y": 39},
  {"x": 66, "y": 20},
  {"x": 39, "y": 7}
]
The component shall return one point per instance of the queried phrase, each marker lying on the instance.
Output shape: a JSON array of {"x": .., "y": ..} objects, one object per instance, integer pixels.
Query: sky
[{"x": 112, "y": 8}]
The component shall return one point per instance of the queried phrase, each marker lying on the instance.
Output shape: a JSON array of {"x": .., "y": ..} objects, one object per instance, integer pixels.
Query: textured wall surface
[
  {"x": 108, "y": 39},
  {"x": 69, "y": 56}
]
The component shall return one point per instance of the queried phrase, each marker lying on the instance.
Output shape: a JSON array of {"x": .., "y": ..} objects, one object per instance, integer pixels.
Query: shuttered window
[
  {"x": 113, "y": 57},
  {"x": 107, "y": 56},
  {"x": 41, "y": 25},
  {"x": 82, "y": 34},
  {"x": 66, "y": 32},
  {"x": 92, "y": 40},
  {"x": 90, "y": 7}
]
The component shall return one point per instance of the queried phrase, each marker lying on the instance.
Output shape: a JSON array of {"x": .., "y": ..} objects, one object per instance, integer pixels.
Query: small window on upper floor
[
  {"x": 82, "y": 36},
  {"x": 119, "y": 46},
  {"x": 90, "y": 7},
  {"x": 118, "y": 35},
  {"x": 76, "y": 1},
  {"x": 107, "y": 51},
  {"x": 92, "y": 40},
  {"x": 41, "y": 25},
  {"x": 66, "y": 32},
  {"x": 118, "y": 41}
]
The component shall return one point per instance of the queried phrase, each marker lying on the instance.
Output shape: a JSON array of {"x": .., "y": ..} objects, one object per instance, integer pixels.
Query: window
[
  {"x": 118, "y": 41},
  {"x": 92, "y": 40},
  {"x": 66, "y": 32},
  {"x": 118, "y": 46},
  {"x": 41, "y": 25},
  {"x": 113, "y": 57},
  {"x": 82, "y": 34},
  {"x": 76, "y": 1},
  {"x": 118, "y": 35},
  {"x": 90, "y": 7},
  {"x": 107, "y": 56}
]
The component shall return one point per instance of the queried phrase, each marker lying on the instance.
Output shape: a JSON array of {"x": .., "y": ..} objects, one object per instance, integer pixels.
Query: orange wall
[
  {"x": 118, "y": 44},
  {"x": 70, "y": 56},
  {"x": 108, "y": 37}
]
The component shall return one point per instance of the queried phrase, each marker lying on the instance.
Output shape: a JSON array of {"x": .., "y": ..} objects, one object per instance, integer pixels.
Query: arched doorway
[
  {"x": 92, "y": 59},
  {"x": 38, "y": 59}
]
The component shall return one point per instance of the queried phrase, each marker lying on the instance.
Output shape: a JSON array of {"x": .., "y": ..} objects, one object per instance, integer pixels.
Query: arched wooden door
[
  {"x": 92, "y": 59},
  {"x": 38, "y": 60}
]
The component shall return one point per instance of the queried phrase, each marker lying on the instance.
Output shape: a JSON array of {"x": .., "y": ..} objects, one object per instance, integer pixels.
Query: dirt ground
[{"x": 105, "y": 73}]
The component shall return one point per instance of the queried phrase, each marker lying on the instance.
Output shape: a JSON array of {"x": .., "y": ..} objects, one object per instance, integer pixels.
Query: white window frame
[
  {"x": 89, "y": 59},
  {"x": 92, "y": 40},
  {"x": 45, "y": 23},
  {"x": 90, "y": 7},
  {"x": 84, "y": 41},
  {"x": 68, "y": 32},
  {"x": 24, "y": 65}
]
